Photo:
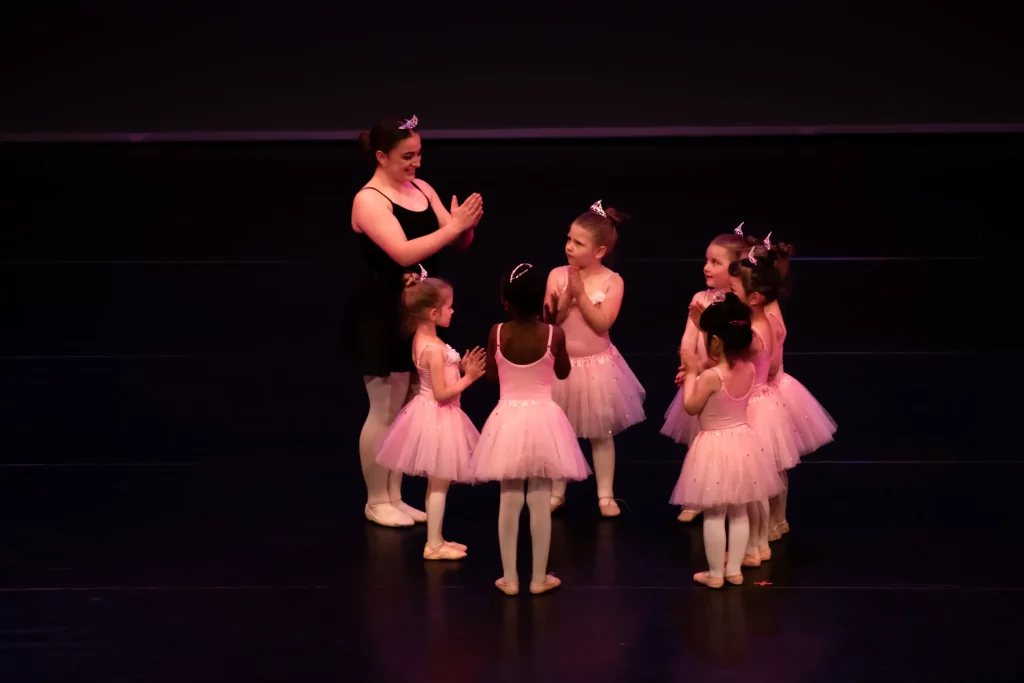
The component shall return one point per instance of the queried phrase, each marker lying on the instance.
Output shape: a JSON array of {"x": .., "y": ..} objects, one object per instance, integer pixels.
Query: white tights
[
  {"x": 714, "y": 538},
  {"x": 777, "y": 504},
  {"x": 437, "y": 496},
  {"x": 757, "y": 513},
  {"x": 387, "y": 396},
  {"x": 603, "y": 452},
  {"x": 537, "y": 497}
]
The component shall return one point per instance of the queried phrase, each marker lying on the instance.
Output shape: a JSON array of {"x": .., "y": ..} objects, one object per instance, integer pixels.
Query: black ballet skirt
[{"x": 373, "y": 337}]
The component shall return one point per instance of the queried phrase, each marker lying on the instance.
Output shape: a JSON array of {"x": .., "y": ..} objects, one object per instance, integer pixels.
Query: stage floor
[{"x": 268, "y": 572}]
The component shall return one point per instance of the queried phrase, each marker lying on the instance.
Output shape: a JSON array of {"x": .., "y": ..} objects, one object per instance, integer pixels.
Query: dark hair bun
[
  {"x": 364, "y": 141},
  {"x": 729, "y": 320}
]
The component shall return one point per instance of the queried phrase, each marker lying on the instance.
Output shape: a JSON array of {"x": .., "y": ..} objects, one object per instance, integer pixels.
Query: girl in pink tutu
[
  {"x": 725, "y": 468},
  {"x": 602, "y": 396},
  {"x": 431, "y": 436},
  {"x": 756, "y": 282},
  {"x": 527, "y": 439},
  {"x": 723, "y": 250},
  {"x": 815, "y": 426}
]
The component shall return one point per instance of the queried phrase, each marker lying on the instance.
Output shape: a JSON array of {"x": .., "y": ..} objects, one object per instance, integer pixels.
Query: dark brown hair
[
  {"x": 384, "y": 135},
  {"x": 761, "y": 277},
  {"x": 604, "y": 229},
  {"x": 779, "y": 256}
]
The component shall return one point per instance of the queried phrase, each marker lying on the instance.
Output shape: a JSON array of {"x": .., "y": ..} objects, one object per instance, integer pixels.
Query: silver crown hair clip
[
  {"x": 768, "y": 242},
  {"x": 598, "y": 209},
  {"x": 739, "y": 229},
  {"x": 516, "y": 273},
  {"x": 410, "y": 124},
  {"x": 423, "y": 272}
]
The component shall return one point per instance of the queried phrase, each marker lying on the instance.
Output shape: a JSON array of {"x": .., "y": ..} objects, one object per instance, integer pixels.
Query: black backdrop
[
  {"x": 183, "y": 302},
  {"x": 270, "y": 66}
]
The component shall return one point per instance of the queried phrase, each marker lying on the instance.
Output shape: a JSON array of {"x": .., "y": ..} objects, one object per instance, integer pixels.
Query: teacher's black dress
[{"x": 373, "y": 337}]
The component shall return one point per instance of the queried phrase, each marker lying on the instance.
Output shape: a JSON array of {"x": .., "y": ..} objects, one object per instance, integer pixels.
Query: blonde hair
[
  {"x": 737, "y": 245},
  {"x": 418, "y": 300}
]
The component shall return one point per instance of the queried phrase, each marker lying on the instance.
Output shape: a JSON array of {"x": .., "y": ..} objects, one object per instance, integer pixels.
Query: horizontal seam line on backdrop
[
  {"x": 537, "y": 132},
  {"x": 638, "y": 354},
  {"x": 667, "y": 259}
]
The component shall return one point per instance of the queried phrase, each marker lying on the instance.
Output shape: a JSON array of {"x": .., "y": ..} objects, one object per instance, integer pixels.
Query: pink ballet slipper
[
  {"x": 418, "y": 516},
  {"x": 457, "y": 546},
  {"x": 507, "y": 587},
  {"x": 687, "y": 516},
  {"x": 385, "y": 514},
  {"x": 708, "y": 580},
  {"x": 557, "y": 502},
  {"x": 608, "y": 507},
  {"x": 750, "y": 560},
  {"x": 550, "y": 583},
  {"x": 443, "y": 552}
]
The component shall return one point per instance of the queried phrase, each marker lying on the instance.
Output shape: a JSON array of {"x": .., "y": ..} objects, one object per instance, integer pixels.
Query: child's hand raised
[
  {"x": 696, "y": 310},
  {"x": 576, "y": 288},
  {"x": 474, "y": 363},
  {"x": 691, "y": 361}
]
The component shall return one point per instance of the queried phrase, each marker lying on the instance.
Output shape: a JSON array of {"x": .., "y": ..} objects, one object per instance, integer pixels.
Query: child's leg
[
  {"x": 557, "y": 493},
  {"x": 714, "y": 541},
  {"x": 739, "y": 530},
  {"x": 756, "y": 523},
  {"x": 538, "y": 495},
  {"x": 509, "y": 510},
  {"x": 437, "y": 494},
  {"x": 603, "y": 451}
]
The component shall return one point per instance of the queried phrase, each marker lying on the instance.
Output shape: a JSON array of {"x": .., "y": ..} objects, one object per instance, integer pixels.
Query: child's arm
[
  {"x": 692, "y": 333},
  {"x": 562, "y": 364},
  {"x": 776, "y": 352},
  {"x": 697, "y": 390},
  {"x": 492, "y": 347},
  {"x": 767, "y": 335},
  {"x": 558, "y": 300},
  {"x": 444, "y": 392},
  {"x": 601, "y": 316}
]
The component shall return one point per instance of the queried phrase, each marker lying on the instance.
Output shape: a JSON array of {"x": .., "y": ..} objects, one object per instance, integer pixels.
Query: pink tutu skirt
[
  {"x": 430, "y": 439},
  {"x": 601, "y": 396},
  {"x": 774, "y": 426},
  {"x": 679, "y": 426},
  {"x": 726, "y": 467},
  {"x": 813, "y": 423},
  {"x": 528, "y": 438}
]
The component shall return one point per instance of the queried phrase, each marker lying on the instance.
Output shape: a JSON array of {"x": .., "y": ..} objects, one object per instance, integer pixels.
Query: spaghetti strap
[
  {"x": 497, "y": 337},
  {"x": 551, "y": 332},
  {"x": 367, "y": 187},
  {"x": 421, "y": 190},
  {"x": 416, "y": 361}
]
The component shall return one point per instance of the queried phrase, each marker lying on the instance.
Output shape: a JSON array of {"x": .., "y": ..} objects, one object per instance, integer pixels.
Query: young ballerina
[
  {"x": 756, "y": 282},
  {"x": 527, "y": 438},
  {"x": 602, "y": 396},
  {"x": 815, "y": 426},
  {"x": 431, "y": 436},
  {"x": 724, "y": 469},
  {"x": 723, "y": 250}
]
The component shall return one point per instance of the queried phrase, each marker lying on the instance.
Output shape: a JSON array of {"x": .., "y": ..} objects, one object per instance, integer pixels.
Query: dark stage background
[
  {"x": 122, "y": 66},
  {"x": 183, "y": 302}
]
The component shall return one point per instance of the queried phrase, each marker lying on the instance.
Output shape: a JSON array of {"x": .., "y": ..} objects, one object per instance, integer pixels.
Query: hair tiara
[
  {"x": 517, "y": 273},
  {"x": 598, "y": 209},
  {"x": 410, "y": 124}
]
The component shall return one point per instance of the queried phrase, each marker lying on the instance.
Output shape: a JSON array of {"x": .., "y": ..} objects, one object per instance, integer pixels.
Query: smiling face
[
  {"x": 403, "y": 160},
  {"x": 581, "y": 249}
]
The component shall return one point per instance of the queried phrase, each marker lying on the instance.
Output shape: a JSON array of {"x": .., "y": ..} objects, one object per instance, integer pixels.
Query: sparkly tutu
[
  {"x": 528, "y": 438},
  {"x": 430, "y": 439},
  {"x": 601, "y": 396},
  {"x": 774, "y": 426},
  {"x": 814, "y": 425},
  {"x": 679, "y": 426},
  {"x": 725, "y": 467}
]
